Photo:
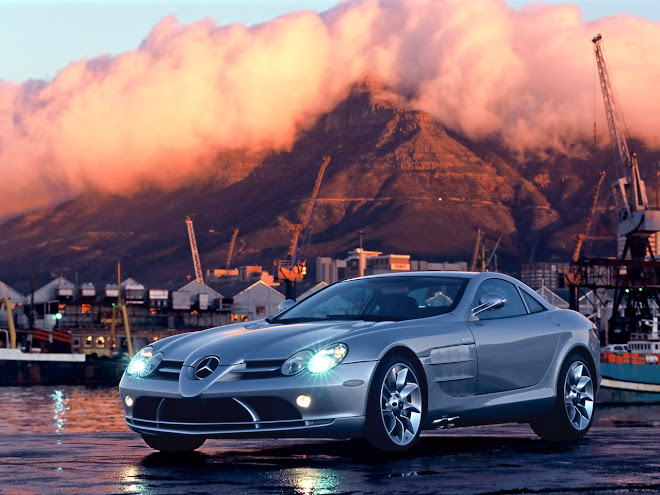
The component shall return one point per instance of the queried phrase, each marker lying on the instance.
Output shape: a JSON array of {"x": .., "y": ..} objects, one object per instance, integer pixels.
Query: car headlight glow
[
  {"x": 144, "y": 362},
  {"x": 327, "y": 358},
  {"x": 323, "y": 360}
]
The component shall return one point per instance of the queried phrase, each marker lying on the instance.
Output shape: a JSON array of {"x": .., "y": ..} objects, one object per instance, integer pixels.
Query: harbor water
[
  {"x": 60, "y": 409},
  {"x": 84, "y": 409}
]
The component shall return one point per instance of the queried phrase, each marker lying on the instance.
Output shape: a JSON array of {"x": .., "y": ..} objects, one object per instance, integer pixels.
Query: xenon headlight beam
[
  {"x": 144, "y": 362},
  {"x": 315, "y": 362}
]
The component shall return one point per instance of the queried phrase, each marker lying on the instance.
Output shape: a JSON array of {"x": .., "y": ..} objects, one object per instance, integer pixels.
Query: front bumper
[{"x": 252, "y": 407}]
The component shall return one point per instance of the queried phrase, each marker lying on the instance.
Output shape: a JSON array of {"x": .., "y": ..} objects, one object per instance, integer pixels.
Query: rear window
[{"x": 533, "y": 305}]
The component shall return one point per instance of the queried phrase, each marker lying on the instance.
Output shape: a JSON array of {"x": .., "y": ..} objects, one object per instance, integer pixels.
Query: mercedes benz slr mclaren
[{"x": 381, "y": 357}]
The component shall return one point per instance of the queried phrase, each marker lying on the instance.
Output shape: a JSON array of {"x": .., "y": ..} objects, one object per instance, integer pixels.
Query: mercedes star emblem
[{"x": 206, "y": 366}]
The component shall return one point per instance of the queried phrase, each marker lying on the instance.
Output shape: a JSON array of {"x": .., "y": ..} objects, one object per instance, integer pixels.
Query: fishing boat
[
  {"x": 631, "y": 374},
  {"x": 45, "y": 357}
]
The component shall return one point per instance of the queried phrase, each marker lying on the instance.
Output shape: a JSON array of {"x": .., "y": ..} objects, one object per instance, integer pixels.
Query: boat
[
  {"x": 631, "y": 373},
  {"x": 57, "y": 368},
  {"x": 47, "y": 359}
]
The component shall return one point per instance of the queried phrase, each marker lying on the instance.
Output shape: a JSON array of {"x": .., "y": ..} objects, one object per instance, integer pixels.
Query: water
[
  {"x": 82, "y": 409},
  {"x": 60, "y": 409}
]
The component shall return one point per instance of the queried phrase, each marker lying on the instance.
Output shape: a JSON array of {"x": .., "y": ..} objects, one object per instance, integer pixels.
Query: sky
[
  {"x": 115, "y": 97},
  {"x": 39, "y": 38}
]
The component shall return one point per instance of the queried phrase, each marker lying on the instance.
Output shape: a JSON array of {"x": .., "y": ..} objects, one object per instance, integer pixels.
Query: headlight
[
  {"x": 144, "y": 362},
  {"x": 297, "y": 362},
  {"x": 325, "y": 359}
]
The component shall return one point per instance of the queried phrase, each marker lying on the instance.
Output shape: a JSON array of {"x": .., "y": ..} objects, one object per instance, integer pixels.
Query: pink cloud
[{"x": 190, "y": 91}]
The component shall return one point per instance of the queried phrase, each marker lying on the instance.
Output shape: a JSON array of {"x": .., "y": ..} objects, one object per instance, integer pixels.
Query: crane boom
[
  {"x": 580, "y": 238},
  {"x": 10, "y": 322},
  {"x": 302, "y": 227},
  {"x": 615, "y": 122},
  {"x": 475, "y": 255},
  {"x": 632, "y": 207},
  {"x": 231, "y": 249},
  {"x": 199, "y": 276},
  {"x": 293, "y": 269}
]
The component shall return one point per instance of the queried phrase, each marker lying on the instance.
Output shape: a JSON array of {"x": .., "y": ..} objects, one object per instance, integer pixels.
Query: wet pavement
[{"x": 621, "y": 454}]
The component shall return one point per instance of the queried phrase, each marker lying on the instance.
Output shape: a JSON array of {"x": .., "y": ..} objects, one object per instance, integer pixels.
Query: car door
[{"x": 515, "y": 348}]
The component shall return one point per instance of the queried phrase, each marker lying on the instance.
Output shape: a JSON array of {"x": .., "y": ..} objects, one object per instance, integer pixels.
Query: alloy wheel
[
  {"x": 401, "y": 404},
  {"x": 579, "y": 395}
]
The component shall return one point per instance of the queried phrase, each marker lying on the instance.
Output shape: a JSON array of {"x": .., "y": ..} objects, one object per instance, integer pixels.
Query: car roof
[{"x": 432, "y": 274}]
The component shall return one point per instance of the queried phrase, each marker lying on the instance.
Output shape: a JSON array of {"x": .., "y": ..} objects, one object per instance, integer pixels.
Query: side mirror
[
  {"x": 487, "y": 302},
  {"x": 286, "y": 304}
]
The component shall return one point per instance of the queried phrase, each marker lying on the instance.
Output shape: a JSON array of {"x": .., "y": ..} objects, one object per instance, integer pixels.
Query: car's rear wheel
[
  {"x": 173, "y": 443},
  {"x": 395, "y": 405},
  {"x": 573, "y": 413}
]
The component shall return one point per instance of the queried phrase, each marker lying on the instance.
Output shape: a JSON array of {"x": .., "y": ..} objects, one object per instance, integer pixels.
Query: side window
[
  {"x": 533, "y": 305},
  {"x": 514, "y": 305}
]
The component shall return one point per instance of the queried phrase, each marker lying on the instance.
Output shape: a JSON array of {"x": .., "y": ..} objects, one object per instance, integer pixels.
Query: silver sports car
[{"x": 381, "y": 357}]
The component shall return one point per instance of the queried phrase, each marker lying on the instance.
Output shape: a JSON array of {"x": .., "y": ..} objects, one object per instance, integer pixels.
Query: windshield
[{"x": 379, "y": 299}]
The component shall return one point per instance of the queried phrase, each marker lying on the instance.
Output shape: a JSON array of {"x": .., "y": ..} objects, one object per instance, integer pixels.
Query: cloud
[{"x": 158, "y": 113}]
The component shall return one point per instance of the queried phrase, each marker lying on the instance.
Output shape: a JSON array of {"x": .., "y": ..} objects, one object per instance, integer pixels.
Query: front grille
[
  {"x": 168, "y": 370},
  {"x": 219, "y": 414},
  {"x": 171, "y": 370},
  {"x": 257, "y": 369}
]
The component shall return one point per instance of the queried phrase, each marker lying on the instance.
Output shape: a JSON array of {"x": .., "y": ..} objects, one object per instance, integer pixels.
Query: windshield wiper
[
  {"x": 306, "y": 319},
  {"x": 301, "y": 319},
  {"x": 363, "y": 318}
]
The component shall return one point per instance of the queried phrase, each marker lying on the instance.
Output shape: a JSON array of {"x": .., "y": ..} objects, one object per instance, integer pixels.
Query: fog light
[
  {"x": 128, "y": 401},
  {"x": 304, "y": 401}
]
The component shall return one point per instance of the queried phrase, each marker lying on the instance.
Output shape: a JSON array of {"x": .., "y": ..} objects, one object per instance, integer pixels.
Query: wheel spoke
[
  {"x": 390, "y": 380},
  {"x": 407, "y": 424},
  {"x": 576, "y": 374},
  {"x": 583, "y": 382},
  {"x": 390, "y": 422},
  {"x": 582, "y": 410},
  {"x": 403, "y": 429},
  {"x": 408, "y": 389},
  {"x": 588, "y": 395},
  {"x": 397, "y": 431},
  {"x": 409, "y": 406},
  {"x": 401, "y": 379},
  {"x": 572, "y": 412}
]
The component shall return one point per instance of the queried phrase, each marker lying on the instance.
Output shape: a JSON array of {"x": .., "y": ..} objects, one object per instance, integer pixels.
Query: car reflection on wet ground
[{"x": 620, "y": 454}]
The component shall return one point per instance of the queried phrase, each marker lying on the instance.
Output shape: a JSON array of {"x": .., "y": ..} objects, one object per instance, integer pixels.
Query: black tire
[
  {"x": 173, "y": 443},
  {"x": 395, "y": 405},
  {"x": 572, "y": 414}
]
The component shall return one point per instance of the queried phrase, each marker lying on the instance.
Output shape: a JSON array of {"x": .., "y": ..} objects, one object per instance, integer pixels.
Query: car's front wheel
[
  {"x": 573, "y": 412},
  {"x": 395, "y": 405},
  {"x": 173, "y": 443}
]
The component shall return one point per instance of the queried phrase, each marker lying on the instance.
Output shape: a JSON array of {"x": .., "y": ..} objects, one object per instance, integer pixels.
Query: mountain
[{"x": 412, "y": 186}]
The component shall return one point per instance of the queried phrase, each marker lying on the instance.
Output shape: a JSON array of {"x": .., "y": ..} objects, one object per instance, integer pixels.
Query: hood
[{"x": 234, "y": 344}]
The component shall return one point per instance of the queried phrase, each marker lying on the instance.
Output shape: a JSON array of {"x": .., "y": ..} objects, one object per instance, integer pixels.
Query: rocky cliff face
[{"x": 395, "y": 174}]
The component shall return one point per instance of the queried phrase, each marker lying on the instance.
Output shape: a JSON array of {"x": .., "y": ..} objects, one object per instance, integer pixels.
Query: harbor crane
[
  {"x": 10, "y": 322},
  {"x": 292, "y": 270},
  {"x": 117, "y": 308},
  {"x": 475, "y": 255},
  {"x": 479, "y": 256},
  {"x": 637, "y": 222},
  {"x": 199, "y": 276},
  {"x": 581, "y": 238},
  {"x": 635, "y": 275},
  {"x": 231, "y": 249}
]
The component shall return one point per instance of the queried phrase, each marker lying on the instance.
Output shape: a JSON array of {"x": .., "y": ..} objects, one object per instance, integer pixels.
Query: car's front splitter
[{"x": 330, "y": 404}]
